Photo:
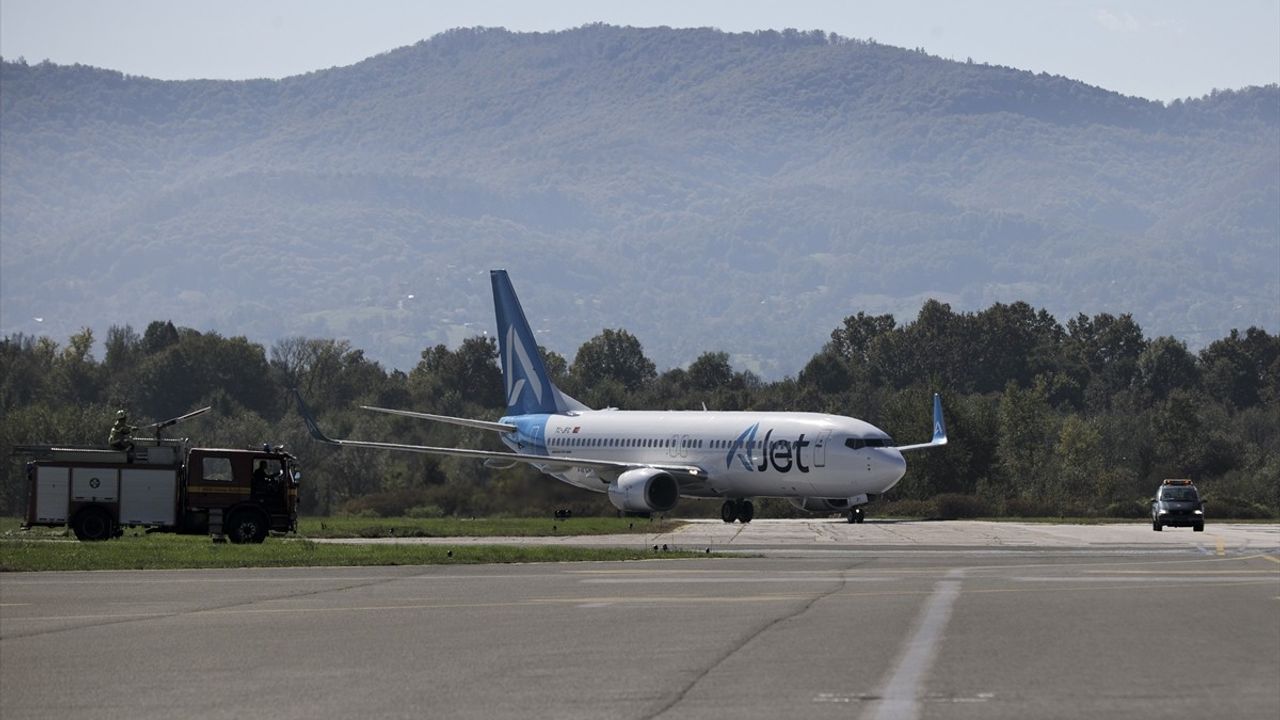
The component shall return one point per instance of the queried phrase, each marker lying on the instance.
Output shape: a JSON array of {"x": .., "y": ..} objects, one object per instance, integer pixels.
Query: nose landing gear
[
  {"x": 856, "y": 516},
  {"x": 741, "y": 510}
]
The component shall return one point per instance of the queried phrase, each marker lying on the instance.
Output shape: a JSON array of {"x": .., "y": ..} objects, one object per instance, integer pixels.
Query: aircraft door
[{"x": 820, "y": 449}]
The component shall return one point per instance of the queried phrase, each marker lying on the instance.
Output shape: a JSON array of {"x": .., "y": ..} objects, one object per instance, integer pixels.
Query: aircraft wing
[{"x": 608, "y": 470}]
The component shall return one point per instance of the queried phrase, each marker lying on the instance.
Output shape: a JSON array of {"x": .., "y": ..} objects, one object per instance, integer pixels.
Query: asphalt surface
[{"x": 922, "y": 628}]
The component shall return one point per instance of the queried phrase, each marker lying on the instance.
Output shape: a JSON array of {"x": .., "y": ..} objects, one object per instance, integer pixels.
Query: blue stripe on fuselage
[{"x": 530, "y": 435}]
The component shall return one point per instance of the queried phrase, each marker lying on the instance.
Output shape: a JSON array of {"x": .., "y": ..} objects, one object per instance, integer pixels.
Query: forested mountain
[{"x": 705, "y": 190}]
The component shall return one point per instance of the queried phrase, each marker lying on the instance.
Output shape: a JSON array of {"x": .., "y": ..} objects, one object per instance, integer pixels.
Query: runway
[
  {"x": 919, "y": 629},
  {"x": 827, "y": 537}
]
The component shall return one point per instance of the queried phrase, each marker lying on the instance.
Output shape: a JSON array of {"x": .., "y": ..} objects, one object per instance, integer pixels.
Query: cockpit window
[{"x": 859, "y": 443}]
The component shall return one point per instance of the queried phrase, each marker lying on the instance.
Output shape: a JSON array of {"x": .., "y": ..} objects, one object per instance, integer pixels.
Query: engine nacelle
[
  {"x": 644, "y": 490},
  {"x": 816, "y": 504}
]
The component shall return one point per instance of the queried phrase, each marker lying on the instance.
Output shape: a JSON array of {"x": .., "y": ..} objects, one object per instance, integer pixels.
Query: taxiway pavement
[{"x": 929, "y": 628}]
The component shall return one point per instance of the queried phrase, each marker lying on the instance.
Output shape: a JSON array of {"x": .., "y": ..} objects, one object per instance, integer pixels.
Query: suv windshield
[{"x": 1178, "y": 494}]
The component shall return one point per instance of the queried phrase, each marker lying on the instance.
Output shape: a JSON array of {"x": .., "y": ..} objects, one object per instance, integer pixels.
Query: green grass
[
  {"x": 351, "y": 527},
  {"x": 43, "y": 548},
  {"x": 156, "y": 551},
  {"x": 479, "y": 527}
]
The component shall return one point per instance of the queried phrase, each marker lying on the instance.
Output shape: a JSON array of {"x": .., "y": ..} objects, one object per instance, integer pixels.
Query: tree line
[{"x": 1077, "y": 419}]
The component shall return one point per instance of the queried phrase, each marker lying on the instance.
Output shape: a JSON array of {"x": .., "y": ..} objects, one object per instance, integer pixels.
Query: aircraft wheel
[
  {"x": 728, "y": 511},
  {"x": 858, "y": 515},
  {"x": 746, "y": 511}
]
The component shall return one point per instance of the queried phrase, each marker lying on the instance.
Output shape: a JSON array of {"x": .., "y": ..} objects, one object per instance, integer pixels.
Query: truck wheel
[
  {"x": 93, "y": 524},
  {"x": 246, "y": 526}
]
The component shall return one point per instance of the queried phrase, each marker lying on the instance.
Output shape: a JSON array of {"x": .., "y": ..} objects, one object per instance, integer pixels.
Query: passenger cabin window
[{"x": 216, "y": 469}]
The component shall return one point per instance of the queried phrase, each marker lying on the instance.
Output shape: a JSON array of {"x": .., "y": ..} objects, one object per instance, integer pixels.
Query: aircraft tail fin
[{"x": 528, "y": 386}]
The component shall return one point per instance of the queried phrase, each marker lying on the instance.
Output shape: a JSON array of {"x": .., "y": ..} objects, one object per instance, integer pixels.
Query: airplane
[{"x": 647, "y": 460}]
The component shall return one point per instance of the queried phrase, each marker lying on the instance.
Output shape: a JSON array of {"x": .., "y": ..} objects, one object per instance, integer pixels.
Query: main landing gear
[
  {"x": 856, "y": 516},
  {"x": 741, "y": 510}
]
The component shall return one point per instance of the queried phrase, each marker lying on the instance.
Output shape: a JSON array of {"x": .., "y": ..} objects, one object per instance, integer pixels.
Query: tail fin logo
[{"x": 517, "y": 377}]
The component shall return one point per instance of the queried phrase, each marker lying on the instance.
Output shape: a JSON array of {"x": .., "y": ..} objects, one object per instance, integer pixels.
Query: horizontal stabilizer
[{"x": 466, "y": 422}]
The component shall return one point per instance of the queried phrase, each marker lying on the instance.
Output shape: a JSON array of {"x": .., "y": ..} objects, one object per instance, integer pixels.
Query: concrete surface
[{"x": 945, "y": 621}]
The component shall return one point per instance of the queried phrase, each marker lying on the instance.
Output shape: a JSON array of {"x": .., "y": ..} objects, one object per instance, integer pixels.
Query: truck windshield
[{"x": 1179, "y": 494}]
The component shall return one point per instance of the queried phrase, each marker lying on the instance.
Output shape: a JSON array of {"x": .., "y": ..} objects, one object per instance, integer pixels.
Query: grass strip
[
  {"x": 170, "y": 552},
  {"x": 355, "y": 527}
]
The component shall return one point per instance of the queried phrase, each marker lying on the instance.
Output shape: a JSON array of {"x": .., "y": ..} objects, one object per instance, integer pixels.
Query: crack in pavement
[{"x": 748, "y": 639}]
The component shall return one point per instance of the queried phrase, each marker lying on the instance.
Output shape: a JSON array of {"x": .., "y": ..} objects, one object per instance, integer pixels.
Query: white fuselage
[{"x": 743, "y": 454}]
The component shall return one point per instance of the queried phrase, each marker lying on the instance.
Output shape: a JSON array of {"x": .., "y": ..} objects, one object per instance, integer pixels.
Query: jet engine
[{"x": 644, "y": 490}]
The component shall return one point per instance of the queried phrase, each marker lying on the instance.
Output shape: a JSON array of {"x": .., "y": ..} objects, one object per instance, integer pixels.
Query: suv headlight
[{"x": 1199, "y": 512}]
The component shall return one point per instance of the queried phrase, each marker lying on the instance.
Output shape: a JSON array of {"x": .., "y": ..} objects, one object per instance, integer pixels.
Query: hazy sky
[{"x": 1160, "y": 49}]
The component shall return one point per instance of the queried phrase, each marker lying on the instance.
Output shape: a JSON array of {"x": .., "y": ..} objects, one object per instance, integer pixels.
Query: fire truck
[{"x": 164, "y": 485}]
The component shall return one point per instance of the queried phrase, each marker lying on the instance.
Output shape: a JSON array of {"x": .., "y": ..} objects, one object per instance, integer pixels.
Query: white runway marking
[{"x": 900, "y": 699}]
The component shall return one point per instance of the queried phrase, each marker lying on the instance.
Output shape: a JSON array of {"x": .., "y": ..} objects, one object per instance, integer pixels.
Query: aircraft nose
[{"x": 892, "y": 466}]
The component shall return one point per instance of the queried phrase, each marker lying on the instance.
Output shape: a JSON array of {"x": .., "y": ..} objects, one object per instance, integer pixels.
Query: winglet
[
  {"x": 310, "y": 420},
  {"x": 939, "y": 429},
  {"x": 939, "y": 425}
]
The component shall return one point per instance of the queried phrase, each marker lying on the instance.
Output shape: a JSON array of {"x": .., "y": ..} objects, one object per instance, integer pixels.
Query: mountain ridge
[{"x": 630, "y": 178}]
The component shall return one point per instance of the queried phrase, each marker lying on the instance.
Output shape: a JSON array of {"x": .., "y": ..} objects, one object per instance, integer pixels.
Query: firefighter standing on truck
[{"x": 121, "y": 437}]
